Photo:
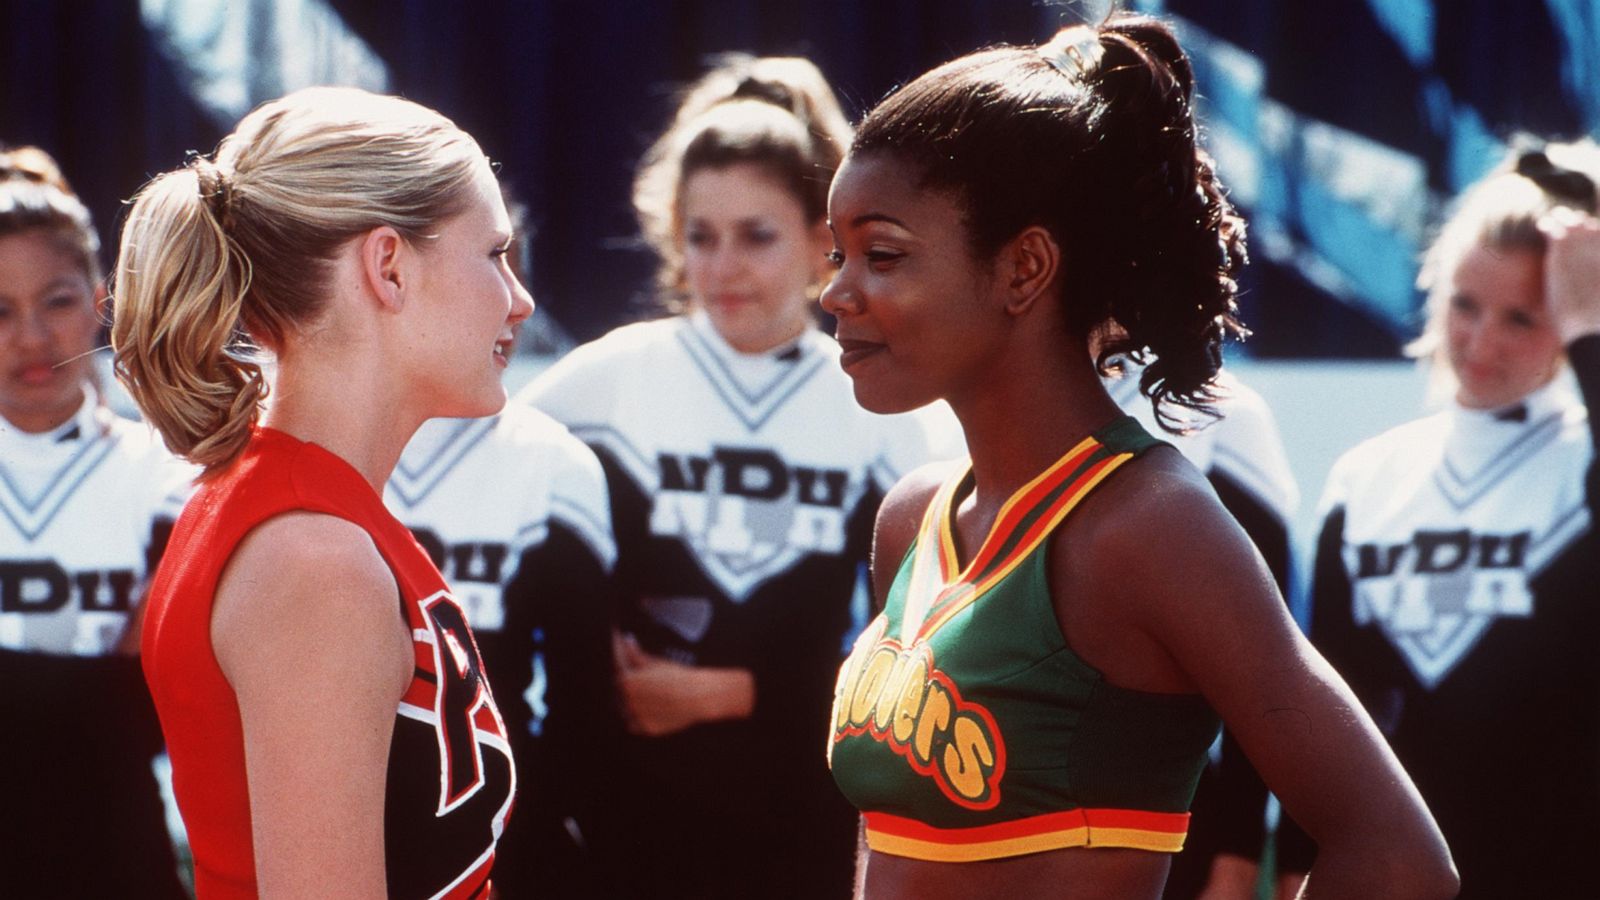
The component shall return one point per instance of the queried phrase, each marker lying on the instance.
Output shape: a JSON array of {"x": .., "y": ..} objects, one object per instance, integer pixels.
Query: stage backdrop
[{"x": 1340, "y": 125}]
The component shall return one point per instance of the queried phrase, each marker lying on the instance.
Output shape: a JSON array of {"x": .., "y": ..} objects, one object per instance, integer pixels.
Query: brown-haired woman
[
  {"x": 1063, "y": 614},
  {"x": 86, "y": 500},
  {"x": 743, "y": 480},
  {"x": 330, "y": 727}
]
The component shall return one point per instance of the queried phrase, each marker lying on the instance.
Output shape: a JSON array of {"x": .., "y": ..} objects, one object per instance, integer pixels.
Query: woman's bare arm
[
  {"x": 1180, "y": 572},
  {"x": 307, "y": 629}
]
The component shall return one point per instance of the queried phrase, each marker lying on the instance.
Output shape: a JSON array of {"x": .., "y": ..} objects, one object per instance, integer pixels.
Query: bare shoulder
[
  {"x": 309, "y": 632},
  {"x": 1160, "y": 506},
  {"x": 900, "y": 515},
  {"x": 300, "y": 585},
  {"x": 1163, "y": 557}
]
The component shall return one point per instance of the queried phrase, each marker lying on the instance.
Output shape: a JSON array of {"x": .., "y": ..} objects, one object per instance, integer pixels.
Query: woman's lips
[
  {"x": 855, "y": 351},
  {"x": 35, "y": 373},
  {"x": 730, "y": 302}
]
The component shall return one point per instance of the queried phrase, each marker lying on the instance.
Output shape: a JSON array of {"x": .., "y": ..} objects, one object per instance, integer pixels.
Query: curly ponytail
[
  {"x": 1092, "y": 136},
  {"x": 181, "y": 347},
  {"x": 226, "y": 256},
  {"x": 1185, "y": 242}
]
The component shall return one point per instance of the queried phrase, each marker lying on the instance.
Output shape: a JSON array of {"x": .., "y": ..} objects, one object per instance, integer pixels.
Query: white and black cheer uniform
[
  {"x": 744, "y": 489},
  {"x": 1242, "y": 455},
  {"x": 1457, "y": 589},
  {"x": 85, "y": 510},
  {"x": 513, "y": 511}
]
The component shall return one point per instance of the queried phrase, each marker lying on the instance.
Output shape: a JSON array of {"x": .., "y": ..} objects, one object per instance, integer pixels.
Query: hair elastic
[
  {"x": 1074, "y": 52},
  {"x": 215, "y": 189}
]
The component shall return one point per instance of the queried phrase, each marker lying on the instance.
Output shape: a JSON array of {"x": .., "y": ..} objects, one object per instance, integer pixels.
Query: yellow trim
[
  {"x": 925, "y": 562},
  {"x": 940, "y": 513},
  {"x": 894, "y": 845},
  {"x": 1137, "y": 838},
  {"x": 1085, "y": 836},
  {"x": 1016, "y": 497},
  {"x": 1021, "y": 553}
]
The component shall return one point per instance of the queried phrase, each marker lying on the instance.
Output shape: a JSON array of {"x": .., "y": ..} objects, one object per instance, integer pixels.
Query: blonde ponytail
[
  {"x": 232, "y": 254},
  {"x": 180, "y": 345}
]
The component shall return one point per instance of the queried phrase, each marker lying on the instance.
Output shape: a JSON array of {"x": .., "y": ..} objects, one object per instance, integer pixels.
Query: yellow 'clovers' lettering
[{"x": 899, "y": 698}]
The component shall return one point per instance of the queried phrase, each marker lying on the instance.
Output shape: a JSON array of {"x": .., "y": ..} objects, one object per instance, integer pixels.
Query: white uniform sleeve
[
  {"x": 578, "y": 497},
  {"x": 580, "y": 388},
  {"x": 1250, "y": 450}
]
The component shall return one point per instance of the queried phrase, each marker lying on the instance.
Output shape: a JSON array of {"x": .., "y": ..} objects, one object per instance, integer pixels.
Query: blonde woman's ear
[{"x": 382, "y": 253}]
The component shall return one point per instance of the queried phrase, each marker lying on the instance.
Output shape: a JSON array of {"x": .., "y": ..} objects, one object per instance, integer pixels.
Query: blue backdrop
[{"x": 1341, "y": 126}]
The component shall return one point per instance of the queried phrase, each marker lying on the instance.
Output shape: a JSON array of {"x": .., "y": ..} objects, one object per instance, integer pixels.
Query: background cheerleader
[
  {"x": 86, "y": 502},
  {"x": 744, "y": 479}
]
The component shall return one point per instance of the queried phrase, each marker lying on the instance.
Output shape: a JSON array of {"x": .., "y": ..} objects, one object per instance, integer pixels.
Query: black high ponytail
[{"x": 1091, "y": 135}]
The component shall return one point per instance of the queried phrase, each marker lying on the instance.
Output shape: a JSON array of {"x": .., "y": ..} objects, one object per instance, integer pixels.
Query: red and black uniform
[
  {"x": 513, "y": 511},
  {"x": 450, "y": 776}
]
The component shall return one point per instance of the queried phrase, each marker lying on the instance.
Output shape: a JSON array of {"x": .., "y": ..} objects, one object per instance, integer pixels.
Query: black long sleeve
[{"x": 558, "y": 617}]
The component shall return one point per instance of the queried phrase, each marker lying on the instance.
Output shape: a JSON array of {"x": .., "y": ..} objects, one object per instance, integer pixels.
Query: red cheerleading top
[{"x": 450, "y": 775}]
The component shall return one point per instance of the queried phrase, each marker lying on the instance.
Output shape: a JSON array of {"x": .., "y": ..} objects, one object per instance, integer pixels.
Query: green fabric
[{"x": 1067, "y": 739}]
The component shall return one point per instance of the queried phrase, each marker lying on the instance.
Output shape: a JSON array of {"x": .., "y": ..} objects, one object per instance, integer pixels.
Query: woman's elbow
[
  {"x": 1419, "y": 871},
  {"x": 1385, "y": 867},
  {"x": 1438, "y": 879}
]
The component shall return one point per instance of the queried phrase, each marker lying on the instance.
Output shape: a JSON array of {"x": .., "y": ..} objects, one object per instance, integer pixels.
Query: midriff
[{"x": 1073, "y": 873}]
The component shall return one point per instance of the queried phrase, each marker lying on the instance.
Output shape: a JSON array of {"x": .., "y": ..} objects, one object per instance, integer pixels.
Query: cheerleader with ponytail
[
  {"x": 86, "y": 502},
  {"x": 1070, "y": 612},
  {"x": 331, "y": 728}
]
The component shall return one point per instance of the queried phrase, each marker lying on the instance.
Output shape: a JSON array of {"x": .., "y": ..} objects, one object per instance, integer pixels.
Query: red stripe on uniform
[
  {"x": 1022, "y": 505},
  {"x": 1165, "y": 823}
]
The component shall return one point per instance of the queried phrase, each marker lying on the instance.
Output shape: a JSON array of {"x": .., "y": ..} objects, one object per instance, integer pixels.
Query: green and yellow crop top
[{"x": 964, "y": 727}]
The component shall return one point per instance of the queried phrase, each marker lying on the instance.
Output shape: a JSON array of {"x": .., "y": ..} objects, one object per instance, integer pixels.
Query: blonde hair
[
  {"x": 230, "y": 254},
  {"x": 774, "y": 112},
  {"x": 1502, "y": 212}
]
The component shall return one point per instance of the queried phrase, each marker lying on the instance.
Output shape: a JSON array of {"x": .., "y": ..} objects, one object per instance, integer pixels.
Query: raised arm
[
  {"x": 1572, "y": 292},
  {"x": 308, "y": 630}
]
